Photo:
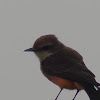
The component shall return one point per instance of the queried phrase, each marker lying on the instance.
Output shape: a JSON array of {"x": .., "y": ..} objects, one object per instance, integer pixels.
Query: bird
[{"x": 64, "y": 66}]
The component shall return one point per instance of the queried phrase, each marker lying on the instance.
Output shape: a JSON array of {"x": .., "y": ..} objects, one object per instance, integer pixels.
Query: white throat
[{"x": 43, "y": 55}]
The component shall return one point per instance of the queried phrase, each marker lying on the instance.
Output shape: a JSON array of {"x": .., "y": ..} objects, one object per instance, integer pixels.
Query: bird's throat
[{"x": 43, "y": 55}]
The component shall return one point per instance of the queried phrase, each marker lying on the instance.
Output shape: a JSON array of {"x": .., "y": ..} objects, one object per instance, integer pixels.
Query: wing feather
[{"x": 68, "y": 64}]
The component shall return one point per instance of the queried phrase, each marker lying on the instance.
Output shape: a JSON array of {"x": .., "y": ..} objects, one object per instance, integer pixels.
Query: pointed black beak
[{"x": 29, "y": 50}]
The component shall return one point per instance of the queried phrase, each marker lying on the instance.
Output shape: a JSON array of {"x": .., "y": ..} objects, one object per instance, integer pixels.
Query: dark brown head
[{"x": 45, "y": 46}]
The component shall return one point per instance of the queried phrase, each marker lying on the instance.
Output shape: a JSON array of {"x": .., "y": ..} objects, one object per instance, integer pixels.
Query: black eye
[{"x": 46, "y": 47}]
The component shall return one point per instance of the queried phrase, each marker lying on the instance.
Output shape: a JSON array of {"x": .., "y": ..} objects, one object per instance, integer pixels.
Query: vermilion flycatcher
[{"x": 64, "y": 66}]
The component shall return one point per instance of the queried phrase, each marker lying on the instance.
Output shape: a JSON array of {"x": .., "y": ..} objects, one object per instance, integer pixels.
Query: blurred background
[{"x": 76, "y": 23}]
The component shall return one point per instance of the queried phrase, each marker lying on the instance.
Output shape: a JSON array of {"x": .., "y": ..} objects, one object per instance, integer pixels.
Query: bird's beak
[{"x": 29, "y": 50}]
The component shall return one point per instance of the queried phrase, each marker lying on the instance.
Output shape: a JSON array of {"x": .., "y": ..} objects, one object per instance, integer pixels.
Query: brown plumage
[{"x": 64, "y": 66}]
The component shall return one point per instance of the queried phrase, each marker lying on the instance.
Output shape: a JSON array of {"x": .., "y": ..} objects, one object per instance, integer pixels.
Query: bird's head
[{"x": 45, "y": 46}]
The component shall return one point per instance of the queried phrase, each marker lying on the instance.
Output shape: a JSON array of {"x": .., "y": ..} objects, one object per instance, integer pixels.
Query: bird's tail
[{"x": 93, "y": 91}]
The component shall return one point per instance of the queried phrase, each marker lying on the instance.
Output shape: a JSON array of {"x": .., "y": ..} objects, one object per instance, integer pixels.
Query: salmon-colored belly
[{"x": 65, "y": 83}]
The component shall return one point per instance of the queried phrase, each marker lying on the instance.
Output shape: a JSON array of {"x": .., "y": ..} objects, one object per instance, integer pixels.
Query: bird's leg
[
  {"x": 58, "y": 94},
  {"x": 75, "y": 94}
]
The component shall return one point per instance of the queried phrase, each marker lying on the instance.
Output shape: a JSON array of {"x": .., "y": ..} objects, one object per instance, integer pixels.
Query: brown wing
[{"x": 68, "y": 64}]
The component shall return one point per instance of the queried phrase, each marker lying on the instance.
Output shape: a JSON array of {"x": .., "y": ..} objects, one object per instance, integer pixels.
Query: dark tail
[{"x": 93, "y": 91}]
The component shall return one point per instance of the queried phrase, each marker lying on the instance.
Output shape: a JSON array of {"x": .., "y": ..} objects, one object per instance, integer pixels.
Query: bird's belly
[{"x": 63, "y": 83}]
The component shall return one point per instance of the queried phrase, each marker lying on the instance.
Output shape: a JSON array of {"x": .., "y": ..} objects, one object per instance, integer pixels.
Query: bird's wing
[{"x": 67, "y": 66}]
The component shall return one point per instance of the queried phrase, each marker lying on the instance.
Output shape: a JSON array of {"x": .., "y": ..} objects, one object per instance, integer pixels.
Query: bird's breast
[{"x": 62, "y": 82}]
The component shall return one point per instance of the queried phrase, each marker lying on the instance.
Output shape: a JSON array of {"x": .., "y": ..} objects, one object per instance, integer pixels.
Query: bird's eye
[{"x": 46, "y": 47}]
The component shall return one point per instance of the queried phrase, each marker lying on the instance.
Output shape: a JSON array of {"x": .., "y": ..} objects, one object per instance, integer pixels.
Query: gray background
[{"x": 75, "y": 22}]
